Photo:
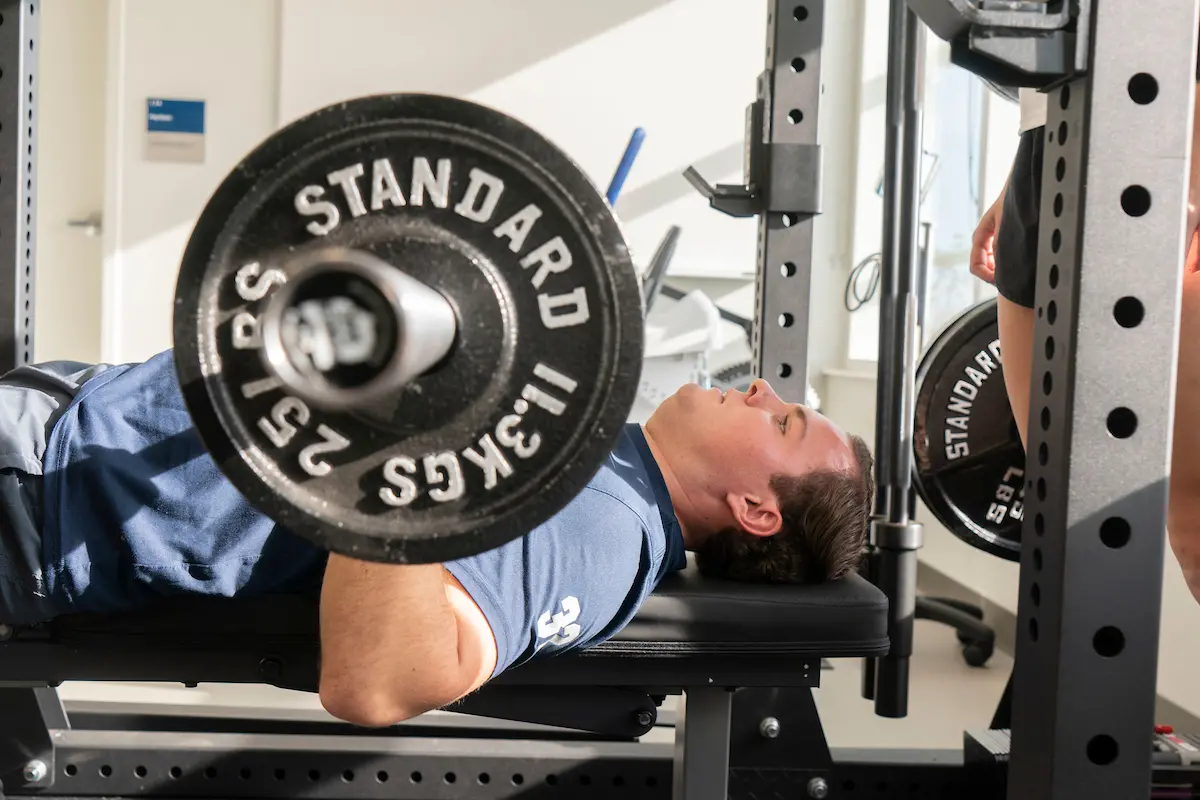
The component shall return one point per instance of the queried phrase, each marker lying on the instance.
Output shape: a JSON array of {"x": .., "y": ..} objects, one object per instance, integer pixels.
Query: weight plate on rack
[
  {"x": 505, "y": 429},
  {"x": 968, "y": 462}
]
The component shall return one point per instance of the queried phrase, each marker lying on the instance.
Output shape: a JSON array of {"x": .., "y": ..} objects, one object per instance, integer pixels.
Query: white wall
[
  {"x": 70, "y": 151},
  {"x": 224, "y": 52}
]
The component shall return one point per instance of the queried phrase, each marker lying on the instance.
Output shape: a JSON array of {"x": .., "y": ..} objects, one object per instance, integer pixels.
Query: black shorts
[{"x": 1016, "y": 247}]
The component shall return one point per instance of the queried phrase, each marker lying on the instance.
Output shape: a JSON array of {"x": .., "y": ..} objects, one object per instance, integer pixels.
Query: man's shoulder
[{"x": 626, "y": 480}]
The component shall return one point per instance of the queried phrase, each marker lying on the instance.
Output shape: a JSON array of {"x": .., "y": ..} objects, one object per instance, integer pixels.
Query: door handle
[{"x": 91, "y": 225}]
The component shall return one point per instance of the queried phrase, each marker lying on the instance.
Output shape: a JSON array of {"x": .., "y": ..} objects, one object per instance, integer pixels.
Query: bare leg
[
  {"x": 1183, "y": 521},
  {"x": 1016, "y": 348}
]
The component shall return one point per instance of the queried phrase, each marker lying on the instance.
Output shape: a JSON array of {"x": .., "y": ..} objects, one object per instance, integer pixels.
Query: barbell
[{"x": 408, "y": 328}]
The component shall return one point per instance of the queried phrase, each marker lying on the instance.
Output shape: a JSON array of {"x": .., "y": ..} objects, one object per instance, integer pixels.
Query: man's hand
[{"x": 983, "y": 243}]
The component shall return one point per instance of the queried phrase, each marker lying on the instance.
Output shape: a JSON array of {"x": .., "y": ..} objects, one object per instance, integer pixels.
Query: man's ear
[{"x": 756, "y": 514}]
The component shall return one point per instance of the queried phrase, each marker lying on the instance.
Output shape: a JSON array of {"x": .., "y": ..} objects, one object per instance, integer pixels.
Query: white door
[{"x": 71, "y": 120}]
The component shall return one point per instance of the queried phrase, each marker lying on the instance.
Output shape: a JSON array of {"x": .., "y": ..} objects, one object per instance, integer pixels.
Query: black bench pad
[{"x": 692, "y": 628}]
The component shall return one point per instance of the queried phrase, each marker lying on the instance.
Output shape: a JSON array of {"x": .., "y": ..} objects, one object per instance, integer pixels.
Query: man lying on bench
[{"x": 108, "y": 500}]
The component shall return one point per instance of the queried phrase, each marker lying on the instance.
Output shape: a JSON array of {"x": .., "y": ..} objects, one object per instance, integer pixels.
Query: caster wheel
[{"x": 977, "y": 654}]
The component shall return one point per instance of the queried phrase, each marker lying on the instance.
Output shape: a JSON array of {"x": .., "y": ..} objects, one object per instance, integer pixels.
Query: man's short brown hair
[{"x": 825, "y": 517}]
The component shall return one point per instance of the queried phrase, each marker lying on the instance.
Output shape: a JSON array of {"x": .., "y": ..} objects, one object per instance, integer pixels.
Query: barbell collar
[
  {"x": 897, "y": 535},
  {"x": 348, "y": 328}
]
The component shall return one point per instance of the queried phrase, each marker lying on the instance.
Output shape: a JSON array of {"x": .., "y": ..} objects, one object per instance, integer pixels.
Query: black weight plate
[
  {"x": 440, "y": 471},
  {"x": 968, "y": 462}
]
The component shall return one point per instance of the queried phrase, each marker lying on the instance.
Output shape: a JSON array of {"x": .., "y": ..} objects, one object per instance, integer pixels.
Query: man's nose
[{"x": 759, "y": 391}]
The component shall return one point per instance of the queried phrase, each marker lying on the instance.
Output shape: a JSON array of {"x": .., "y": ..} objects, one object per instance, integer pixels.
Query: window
[{"x": 969, "y": 138}]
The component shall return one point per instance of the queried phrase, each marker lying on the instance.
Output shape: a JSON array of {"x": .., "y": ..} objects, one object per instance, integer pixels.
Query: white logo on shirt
[{"x": 560, "y": 628}]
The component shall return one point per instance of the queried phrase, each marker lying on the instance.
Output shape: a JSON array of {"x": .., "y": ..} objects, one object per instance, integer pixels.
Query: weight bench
[{"x": 699, "y": 638}]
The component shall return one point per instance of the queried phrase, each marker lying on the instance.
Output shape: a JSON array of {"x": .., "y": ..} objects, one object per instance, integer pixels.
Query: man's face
[{"x": 746, "y": 437}]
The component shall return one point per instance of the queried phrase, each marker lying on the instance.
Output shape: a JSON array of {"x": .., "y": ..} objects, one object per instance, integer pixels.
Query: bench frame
[{"x": 723, "y": 746}]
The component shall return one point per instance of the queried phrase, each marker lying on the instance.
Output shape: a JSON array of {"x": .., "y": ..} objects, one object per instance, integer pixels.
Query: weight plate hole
[
  {"x": 798, "y": 65},
  {"x": 1060, "y": 169},
  {"x": 801, "y": 13},
  {"x": 1035, "y": 593},
  {"x": 1135, "y": 200},
  {"x": 795, "y": 116},
  {"x": 1108, "y": 641},
  {"x": 1122, "y": 422},
  {"x": 1129, "y": 312},
  {"x": 1054, "y": 276},
  {"x": 1062, "y": 132},
  {"x": 787, "y": 269},
  {"x": 1033, "y": 628},
  {"x": 1102, "y": 750},
  {"x": 1143, "y": 88}
]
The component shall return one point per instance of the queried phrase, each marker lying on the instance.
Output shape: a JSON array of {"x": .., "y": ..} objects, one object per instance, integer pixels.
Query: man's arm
[{"x": 398, "y": 641}]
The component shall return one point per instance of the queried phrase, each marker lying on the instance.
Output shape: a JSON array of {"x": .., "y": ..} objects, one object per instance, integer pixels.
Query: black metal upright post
[
  {"x": 782, "y": 187},
  {"x": 18, "y": 120},
  {"x": 1106, "y": 338},
  {"x": 789, "y": 186},
  {"x": 895, "y": 537}
]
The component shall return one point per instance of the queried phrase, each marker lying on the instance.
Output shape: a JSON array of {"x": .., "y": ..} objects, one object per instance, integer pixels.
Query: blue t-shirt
[{"x": 136, "y": 509}]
